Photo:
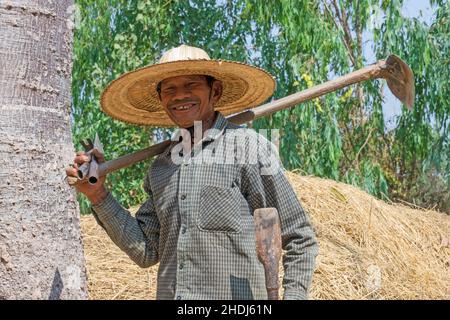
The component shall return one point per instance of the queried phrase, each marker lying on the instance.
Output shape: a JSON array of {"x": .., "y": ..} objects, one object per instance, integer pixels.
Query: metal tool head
[
  {"x": 268, "y": 246},
  {"x": 87, "y": 145},
  {"x": 400, "y": 80}
]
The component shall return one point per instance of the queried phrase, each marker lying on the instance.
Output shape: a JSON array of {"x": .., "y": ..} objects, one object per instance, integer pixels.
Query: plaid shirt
[{"x": 198, "y": 224}]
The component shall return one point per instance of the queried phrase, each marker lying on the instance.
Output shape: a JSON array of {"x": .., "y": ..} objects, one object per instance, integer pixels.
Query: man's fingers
[
  {"x": 80, "y": 159},
  {"x": 100, "y": 156},
  {"x": 71, "y": 172},
  {"x": 72, "y": 181},
  {"x": 83, "y": 157}
]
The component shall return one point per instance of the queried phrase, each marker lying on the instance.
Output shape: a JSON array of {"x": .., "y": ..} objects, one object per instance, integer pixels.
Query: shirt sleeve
[
  {"x": 137, "y": 236},
  {"x": 265, "y": 185}
]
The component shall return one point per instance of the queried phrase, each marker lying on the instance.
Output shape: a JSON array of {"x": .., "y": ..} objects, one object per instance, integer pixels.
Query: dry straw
[{"x": 369, "y": 249}]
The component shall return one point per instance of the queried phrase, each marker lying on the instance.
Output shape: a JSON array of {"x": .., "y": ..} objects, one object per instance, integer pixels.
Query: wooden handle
[
  {"x": 397, "y": 73},
  {"x": 268, "y": 247}
]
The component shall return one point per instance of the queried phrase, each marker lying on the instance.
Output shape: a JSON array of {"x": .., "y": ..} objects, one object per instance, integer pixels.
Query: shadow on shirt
[{"x": 240, "y": 289}]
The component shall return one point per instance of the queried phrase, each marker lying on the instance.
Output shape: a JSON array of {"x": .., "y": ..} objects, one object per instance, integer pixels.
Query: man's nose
[{"x": 181, "y": 93}]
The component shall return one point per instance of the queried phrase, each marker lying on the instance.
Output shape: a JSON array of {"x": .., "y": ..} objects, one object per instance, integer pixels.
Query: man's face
[{"x": 189, "y": 98}]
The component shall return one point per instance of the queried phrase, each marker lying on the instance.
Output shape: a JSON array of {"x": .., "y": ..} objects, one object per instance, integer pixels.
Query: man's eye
[{"x": 168, "y": 90}]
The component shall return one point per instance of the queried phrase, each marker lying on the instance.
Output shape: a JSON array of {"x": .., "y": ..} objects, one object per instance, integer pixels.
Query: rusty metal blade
[
  {"x": 400, "y": 80},
  {"x": 268, "y": 246},
  {"x": 86, "y": 145}
]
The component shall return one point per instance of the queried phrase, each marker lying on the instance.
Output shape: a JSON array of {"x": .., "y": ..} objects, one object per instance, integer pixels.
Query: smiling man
[
  {"x": 191, "y": 97},
  {"x": 197, "y": 222}
]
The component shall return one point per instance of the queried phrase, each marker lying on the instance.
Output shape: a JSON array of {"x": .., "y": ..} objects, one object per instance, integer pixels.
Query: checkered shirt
[{"x": 198, "y": 221}]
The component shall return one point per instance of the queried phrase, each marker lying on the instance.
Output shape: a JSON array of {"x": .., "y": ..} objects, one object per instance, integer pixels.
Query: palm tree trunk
[{"x": 41, "y": 254}]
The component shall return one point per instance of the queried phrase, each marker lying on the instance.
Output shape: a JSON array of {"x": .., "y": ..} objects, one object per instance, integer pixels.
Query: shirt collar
[
  {"x": 217, "y": 128},
  {"x": 213, "y": 133}
]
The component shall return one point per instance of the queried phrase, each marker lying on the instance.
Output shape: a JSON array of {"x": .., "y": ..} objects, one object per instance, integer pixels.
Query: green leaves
[
  {"x": 341, "y": 135},
  {"x": 109, "y": 42}
]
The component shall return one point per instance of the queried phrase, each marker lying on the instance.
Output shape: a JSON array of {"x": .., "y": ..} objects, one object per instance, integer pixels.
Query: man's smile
[
  {"x": 184, "y": 106},
  {"x": 190, "y": 98}
]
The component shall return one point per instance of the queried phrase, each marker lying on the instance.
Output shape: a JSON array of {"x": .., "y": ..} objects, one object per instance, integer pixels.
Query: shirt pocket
[{"x": 220, "y": 209}]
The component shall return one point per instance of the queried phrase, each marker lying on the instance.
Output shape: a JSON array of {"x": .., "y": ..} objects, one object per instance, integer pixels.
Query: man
[{"x": 197, "y": 222}]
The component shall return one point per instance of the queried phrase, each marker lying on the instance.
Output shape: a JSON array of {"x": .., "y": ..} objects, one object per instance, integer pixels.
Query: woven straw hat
[{"x": 133, "y": 97}]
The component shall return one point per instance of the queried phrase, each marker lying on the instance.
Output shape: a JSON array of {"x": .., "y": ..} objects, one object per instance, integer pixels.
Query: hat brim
[{"x": 133, "y": 97}]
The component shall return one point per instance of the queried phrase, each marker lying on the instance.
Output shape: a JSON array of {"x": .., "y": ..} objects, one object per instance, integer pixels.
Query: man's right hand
[{"x": 96, "y": 193}]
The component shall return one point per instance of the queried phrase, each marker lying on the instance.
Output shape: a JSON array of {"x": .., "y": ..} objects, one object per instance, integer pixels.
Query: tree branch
[
  {"x": 343, "y": 20},
  {"x": 359, "y": 88},
  {"x": 347, "y": 46},
  {"x": 362, "y": 147},
  {"x": 350, "y": 140}
]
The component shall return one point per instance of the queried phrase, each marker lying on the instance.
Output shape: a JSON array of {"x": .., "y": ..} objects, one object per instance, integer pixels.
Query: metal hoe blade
[
  {"x": 400, "y": 80},
  {"x": 268, "y": 246}
]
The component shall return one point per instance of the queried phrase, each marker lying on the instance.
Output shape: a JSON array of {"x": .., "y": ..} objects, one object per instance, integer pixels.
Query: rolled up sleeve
[{"x": 137, "y": 236}]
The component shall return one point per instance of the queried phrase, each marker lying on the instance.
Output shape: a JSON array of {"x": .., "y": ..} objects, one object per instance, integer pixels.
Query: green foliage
[
  {"x": 327, "y": 137},
  {"x": 343, "y": 135},
  {"x": 114, "y": 37},
  {"x": 303, "y": 43},
  {"x": 420, "y": 150}
]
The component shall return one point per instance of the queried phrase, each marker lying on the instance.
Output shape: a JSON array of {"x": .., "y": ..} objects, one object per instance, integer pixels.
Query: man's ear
[{"x": 216, "y": 90}]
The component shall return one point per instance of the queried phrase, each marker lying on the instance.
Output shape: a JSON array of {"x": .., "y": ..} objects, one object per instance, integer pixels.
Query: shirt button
[
  {"x": 183, "y": 230},
  {"x": 181, "y": 266},
  {"x": 183, "y": 197},
  {"x": 178, "y": 297}
]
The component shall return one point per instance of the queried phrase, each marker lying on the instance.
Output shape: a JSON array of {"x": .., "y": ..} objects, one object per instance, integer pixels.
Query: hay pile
[{"x": 368, "y": 249}]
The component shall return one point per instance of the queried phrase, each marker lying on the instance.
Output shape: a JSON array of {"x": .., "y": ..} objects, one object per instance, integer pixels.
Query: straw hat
[{"x": 133, "y": 97}]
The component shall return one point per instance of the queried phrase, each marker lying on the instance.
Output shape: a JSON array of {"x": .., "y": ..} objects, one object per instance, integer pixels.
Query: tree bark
[{"x": 41, "y": 254}]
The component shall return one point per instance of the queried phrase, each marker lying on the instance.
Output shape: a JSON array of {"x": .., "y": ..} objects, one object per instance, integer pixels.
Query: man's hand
[{"x": 95, "y": 193}]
